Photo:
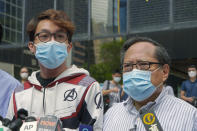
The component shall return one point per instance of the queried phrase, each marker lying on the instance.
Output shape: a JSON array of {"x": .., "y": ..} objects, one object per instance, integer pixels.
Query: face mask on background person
[
  {"x": 192, "y": 73},
  {"x": 24, "y": 75},
  {"x": 137, "y": 84},
  {"x": 117, "y": 79},
  {"x": 51, "y": 54}
]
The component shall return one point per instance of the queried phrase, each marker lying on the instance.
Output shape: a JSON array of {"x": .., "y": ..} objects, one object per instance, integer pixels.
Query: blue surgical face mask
[
  {"x": 137, "y": 84},
  {"x": 51, "y": 54}
]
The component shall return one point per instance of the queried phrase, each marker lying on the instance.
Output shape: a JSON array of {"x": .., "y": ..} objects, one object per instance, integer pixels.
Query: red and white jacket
[{"x": 73, "y": 96}]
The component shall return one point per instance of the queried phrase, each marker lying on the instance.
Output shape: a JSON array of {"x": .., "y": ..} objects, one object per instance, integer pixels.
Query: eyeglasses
[
  {"x": 141, "y": 65},
  {"x": 46, "y": 36}
]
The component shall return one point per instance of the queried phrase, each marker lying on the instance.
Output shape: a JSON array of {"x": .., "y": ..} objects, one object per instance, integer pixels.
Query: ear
[
  {"x": 69, "y": 47},
  {"x": 32, "y": 47},
  {"x": 166, "y": 71}
]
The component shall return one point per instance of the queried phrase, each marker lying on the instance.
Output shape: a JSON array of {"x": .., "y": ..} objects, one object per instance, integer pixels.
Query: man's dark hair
[
  {"x": 1, "y": 32},
  {"x": 59, "y": 18},
  {"x": 191, "y": 66},
  {"x": 160, "y": 53},
  {"x": 116, "y": 71}
]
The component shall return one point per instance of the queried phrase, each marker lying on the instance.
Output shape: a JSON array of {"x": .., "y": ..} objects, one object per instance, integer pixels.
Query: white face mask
[
  {"x": 24, "y": 75},
  {"x": 192, "y": 73},
  {"x": 117, "y": 79}
]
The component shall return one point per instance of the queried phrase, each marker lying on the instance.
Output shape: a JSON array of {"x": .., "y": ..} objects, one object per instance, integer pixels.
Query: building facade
[{"x": 171, "y": 22}]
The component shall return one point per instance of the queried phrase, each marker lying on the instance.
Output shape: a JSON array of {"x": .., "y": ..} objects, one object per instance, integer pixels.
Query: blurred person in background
[
  {"x": 189, "y": 87},
  {"x": 24, "y": 73},
  {"x": 112, "y": 90},
  {"x": 8, "y": 85},
  {"x": 68, "y": 93}
]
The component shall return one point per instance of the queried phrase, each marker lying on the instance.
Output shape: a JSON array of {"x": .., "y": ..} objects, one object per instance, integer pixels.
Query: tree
[
  {"x": 110, "y": 53},
  {"x": 110, "y": 61}
]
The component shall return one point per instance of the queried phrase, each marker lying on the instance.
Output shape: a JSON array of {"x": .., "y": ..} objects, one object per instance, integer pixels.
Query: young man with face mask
[
  {"x": 149, "y": 106},
  {"x": 189, "y": 87},
  {"x": 68, "y": 93},
  {"x": 112, "y": 88}
]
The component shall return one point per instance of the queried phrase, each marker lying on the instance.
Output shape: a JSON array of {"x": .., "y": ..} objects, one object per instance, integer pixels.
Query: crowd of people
[{"x": 143, "y": 102}]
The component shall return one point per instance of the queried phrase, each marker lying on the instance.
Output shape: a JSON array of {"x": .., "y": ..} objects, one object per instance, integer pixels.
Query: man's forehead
[
  {"x": 48, "y": 25},
  {"x": 117, "y": 74},
  {"x": 24, "y": 70},
  {"x": 191, "y": 68},
  {"x": 140, "y": 51},
  {"x": 142, "y": 46}
]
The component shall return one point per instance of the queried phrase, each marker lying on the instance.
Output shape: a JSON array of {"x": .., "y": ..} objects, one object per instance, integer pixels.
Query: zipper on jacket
[{"x": 44, "y": 101}]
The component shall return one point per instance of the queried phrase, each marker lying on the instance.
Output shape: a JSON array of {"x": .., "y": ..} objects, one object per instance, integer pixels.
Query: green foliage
[
  {"x": 100, "y": 72},
  {"x": 110, "y": 57},
  {"x": 110, "y": 53}
]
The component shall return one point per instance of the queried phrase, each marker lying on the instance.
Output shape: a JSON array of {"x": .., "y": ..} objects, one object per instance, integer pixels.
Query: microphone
[
  {"x": 30, "y": 124},
  {"x": 16, "y": 122},
  {"x": 49, "y": 123},
  {"x": 3, "y": 123},
  {"x": 8, "y": 125},
  {"x": 6, "y": 122},
  {"x": 87, "y": 127},
  {"x": 15, "y": 125},
  {"x": 22, "y": 114},
  {"x": 83, "y": 127}
]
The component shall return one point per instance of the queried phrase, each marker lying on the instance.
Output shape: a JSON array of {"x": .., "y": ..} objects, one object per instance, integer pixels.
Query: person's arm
[
  {"x": 188, "y": 99},
  {"x": 18, "y": 86},
  {"x": 106, "y": 90}
]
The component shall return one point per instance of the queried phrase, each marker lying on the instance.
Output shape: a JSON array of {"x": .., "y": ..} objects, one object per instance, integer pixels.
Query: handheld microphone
[
  {"x": 30, "y": 124},
  {"x": 49, "y": 123},
  {"x": 22, "y": 114},
  {"x": 17, "y": 122},
  {"x": 15, "y": 125},
  {"x": 8, "y": 125},
  {"x": 6, "y": 122},
  {"x": 3, "y": 123},
  {"x": 83, "y": 127}
]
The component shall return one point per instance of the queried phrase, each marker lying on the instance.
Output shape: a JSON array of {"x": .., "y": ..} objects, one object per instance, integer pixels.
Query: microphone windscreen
[
  {"x": 22, "y": 113},
  {"x": 6, "y": 122},
  {"x": 15, "y": 125},
  {"x": 30, "y": 118}
]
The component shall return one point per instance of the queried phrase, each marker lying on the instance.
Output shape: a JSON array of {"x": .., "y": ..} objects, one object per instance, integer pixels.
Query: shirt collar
[{"x": 131, "y": 108}]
